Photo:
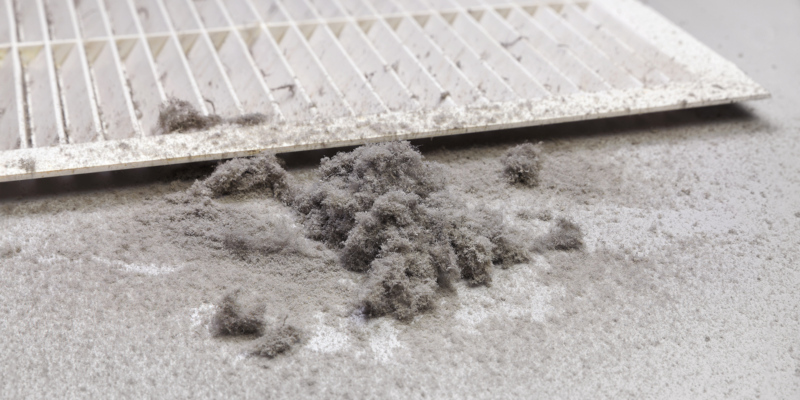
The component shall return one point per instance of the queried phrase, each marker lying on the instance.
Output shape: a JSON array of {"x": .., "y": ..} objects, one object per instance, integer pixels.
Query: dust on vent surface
[{"x": 82, "y": 82}]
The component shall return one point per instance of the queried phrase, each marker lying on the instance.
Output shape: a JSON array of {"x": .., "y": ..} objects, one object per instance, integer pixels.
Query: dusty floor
[{"x": 689, "y": 286}]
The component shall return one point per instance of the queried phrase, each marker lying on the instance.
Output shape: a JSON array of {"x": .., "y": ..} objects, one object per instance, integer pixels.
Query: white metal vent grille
[{"x": 81, "y": 81}]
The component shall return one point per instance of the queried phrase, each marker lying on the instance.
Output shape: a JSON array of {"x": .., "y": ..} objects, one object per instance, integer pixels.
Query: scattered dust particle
[
  {"x": 511, "y": 43},
  {"x": 440, "y": 119},
  {"x": 290, "y": 87},
  {"x": 28, "y": 164}
]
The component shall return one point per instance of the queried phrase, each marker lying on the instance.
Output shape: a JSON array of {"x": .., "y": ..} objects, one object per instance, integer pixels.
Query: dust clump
[
  {"x": 388, "y": 213},
  {"x": 276, "y": 341},
  {"x": 522, "y": 163},
  {"x": 233, "y": 319},
  {"x": 249, "y": 119},
  {"x": 510, "y": 247},
  {"x": 263, "y": 172},
  {"x": 564, "y": 235},
  {"x": 177, "y": 115},
  {"x": 350, "y": 183}
]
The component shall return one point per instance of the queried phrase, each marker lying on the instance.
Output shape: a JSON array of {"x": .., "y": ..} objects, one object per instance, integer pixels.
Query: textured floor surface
[{"x": 689, "y": 286}]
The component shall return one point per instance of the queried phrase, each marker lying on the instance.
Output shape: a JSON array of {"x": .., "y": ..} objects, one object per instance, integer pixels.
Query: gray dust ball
[
  {"x": 522, "y": 163},
  {"x": 263, "y": 172},
  {"x": 180, "y": 116},
  {"x": 564, "y": 236},
  {"x": 389, "y": 214},
  {"x": 276, "y": 341},
  {"x": 231, "y": 319}
]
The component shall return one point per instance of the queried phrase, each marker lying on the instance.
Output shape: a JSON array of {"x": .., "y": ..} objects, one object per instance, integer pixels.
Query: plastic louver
[{"x": 82, "y": 81}]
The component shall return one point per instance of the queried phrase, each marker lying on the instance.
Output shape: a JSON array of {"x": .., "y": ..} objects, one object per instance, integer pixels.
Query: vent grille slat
[
  {"x": 621, "y": 54},
  {"x": 416, "y": 77},
  {"x": 89, "y": 75},
  {"x": 580, "y": 74},
  {"x": 384, "y": 80},
  {"x": 551, "y": 78},
  {"x": 476, "y": 69},
  {"x": 636, "y": 42}
]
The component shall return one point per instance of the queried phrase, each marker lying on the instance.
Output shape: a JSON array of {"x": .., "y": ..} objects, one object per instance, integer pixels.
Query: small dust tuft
[
  {"x": 249, "y": 119},
  {"x": 565, "y": 235},
  {"x": 263, "y": 172},
  {"x": 522, "y": 163},
  {"x": 277, "y": 341},
  {"x": 233, "y": 319},
  {"x": 177, "y": 115}
]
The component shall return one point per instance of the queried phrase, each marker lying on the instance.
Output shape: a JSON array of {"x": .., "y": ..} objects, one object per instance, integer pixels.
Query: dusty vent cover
[{"x": 82, "y": 81}]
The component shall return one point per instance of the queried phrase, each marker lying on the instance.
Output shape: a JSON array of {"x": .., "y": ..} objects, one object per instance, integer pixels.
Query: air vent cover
[{"x": 82, "y": 82}]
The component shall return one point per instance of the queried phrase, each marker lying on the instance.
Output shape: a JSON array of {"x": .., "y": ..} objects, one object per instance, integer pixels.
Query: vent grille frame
[{"x": 438, "y": 67}]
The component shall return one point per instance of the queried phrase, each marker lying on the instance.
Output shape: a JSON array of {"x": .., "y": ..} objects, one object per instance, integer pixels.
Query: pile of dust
[
  {"x": 384, "y": 209},
  {"x": 177, "y": 115},
  {"x": 388, "y": 213},
  {"x": 231, "y": 318},
  {"x": 522, "y": 163}
]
